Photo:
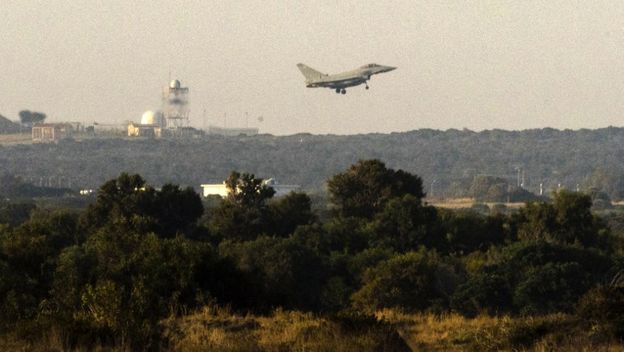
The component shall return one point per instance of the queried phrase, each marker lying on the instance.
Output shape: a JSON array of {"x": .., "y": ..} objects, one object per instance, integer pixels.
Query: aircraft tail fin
[{"x": 309, "y": 72}]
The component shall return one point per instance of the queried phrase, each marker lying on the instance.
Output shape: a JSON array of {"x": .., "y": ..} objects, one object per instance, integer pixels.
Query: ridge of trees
[
  {"x": 447, "y": 161},
  {"x": 112, "y": 272}
]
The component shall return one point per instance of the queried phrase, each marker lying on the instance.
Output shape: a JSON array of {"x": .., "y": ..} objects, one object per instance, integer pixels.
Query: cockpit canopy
[{"x": 370, "y": 66}]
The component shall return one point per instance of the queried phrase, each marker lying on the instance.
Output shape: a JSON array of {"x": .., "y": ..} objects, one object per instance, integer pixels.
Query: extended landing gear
[
  {"x": 337, "y": 90},
  {"x": 367, "y": 86},
  {"x": 341, "y": 91},
  {"x": 344, "y": 91}
]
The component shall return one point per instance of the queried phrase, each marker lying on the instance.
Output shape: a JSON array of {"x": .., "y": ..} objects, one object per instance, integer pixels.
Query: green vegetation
[
  {"x": 7, "y": 126},
  {"x": 142, "y": 268},
  {"x": 29, "y": 118},
  {"x": 452, "y": 163}
]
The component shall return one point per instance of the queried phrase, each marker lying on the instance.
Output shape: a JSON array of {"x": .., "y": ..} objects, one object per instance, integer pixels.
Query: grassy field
[
  {"x": 467, "y": 203},
  {"x": 18, "y": 138},
  {"x": 218, "y": 329},
  {"x": 560, "y": 332}
]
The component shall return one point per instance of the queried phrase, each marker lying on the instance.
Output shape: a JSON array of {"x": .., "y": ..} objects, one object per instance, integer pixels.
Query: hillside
[
  {"x": 7, "y": 126},
  {"x": 452, "y": 158}
]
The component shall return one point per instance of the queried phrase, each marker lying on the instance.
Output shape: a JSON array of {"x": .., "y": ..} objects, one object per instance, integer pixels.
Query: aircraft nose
[{"x": 389, "y": 68}]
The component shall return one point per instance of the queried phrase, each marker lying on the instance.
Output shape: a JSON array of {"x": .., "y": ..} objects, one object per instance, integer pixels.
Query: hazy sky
[{"x": 461, "y": 64}]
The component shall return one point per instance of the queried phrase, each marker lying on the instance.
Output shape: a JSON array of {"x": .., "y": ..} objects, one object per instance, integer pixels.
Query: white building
[
  {"x": 220, "y": 189},
  {"x": 151, "y": 125}
]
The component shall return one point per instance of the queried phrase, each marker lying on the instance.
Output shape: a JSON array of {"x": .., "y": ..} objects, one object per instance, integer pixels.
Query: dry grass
[
  {"x": 427, "y": 332},
  {"x": 18, "y": 138},
  {"x": 215, "y": 330},
  {"x": 218, "y": 329},
  {"x": 467, "y": 203}
]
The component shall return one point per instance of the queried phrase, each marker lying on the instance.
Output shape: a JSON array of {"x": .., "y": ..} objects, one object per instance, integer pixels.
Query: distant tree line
[{"x": 451, "y": 163}]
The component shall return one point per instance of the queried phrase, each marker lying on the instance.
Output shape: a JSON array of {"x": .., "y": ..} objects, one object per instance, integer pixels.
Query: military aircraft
[{"x": 340, "y": 81}]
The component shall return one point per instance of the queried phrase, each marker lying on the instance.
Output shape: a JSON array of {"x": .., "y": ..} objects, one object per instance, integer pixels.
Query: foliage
[
  {"x": 365, "y": 188},
  {"x": 12, "y": 186},
  {"x": 7, "y": 126},
  {"x": 15, "y": 213},
  {"x": 129, "y": 203},
  {"x": 109, "y": 274},
  {"x": 467, "y": 231},
  {"x": 413, "y": 281},
  {"x": 604, "y": 306},
  {"x": 244, "y": 213},
  {"x": 30, "y": 118},
  {"x": 405, "y": 224},
  {"x": 289, "y": 212},
  {"x": 567, "y": 220},
  {"x": 281, "y": 272},
  {"x": 534, "y": 278}
]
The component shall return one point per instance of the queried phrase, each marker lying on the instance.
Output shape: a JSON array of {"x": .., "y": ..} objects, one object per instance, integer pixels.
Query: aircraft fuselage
[{"x": 340, "y": 81}]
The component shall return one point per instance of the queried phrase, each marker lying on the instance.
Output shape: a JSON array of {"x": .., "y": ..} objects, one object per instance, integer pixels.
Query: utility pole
[{"x": 432, "y": 184}]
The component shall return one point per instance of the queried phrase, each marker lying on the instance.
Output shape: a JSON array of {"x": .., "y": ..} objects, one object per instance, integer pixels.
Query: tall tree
[
  {"x": 129, "y": 202},
  {"x": 365, "y": 188},
  {"x": 244, "y": 213},
  {"x": 30, "y": 118}
]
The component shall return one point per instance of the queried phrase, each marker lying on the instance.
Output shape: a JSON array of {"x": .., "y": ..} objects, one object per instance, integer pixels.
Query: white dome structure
[
  {"x": 175, "y": 84},
  {"x": 148, "y": 118}
]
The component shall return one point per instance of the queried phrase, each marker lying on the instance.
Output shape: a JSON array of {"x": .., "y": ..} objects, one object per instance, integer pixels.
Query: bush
[
  {"x": 604, "y": 306},
  {"x": 414, "y": 281}
]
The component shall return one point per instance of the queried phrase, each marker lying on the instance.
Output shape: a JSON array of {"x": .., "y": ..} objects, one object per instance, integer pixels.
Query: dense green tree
[
  {"x": 575, "y": 219},
  {"x": 603, "y": 306},
  {"x": 281, "y": 272},
  {"x": 488, "y": 292},
  {"x": 247, "y": 190},
  {"x": 567, "y": 220},
  {"x": 533, "y": 278},
  {"x": 405, "y": 224},
  {"x": 349, "y": 235},
  {"x": 414, "y": 281},
  {"x": 244, "y": 214},
  {"x": 125, "y": 201},
  {"x": 176, "y": 209},
  {"x": 15, "y": 213},
  {"x": 29, "y": 254},
  {"x": 289, "y": 212},
  {"x": 122, "y": 284},
  {"x": 467, "y": 231},
  {"x": 365, "y": 188},
  {"x": 129, "y": 203},
  {"x": 552, "y": 287},
  {"x": 30, "y": 118}
]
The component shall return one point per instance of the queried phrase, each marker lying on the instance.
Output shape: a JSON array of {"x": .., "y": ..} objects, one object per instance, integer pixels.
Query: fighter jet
[{"x": 340, "y": 81}]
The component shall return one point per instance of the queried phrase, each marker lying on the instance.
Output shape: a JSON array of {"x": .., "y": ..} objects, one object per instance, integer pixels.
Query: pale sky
[{"x": 461, "y": 64}]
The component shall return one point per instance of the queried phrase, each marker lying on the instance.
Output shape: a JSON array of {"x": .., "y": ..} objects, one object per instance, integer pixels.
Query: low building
[
  {"x": 280, "y": 190},
  {"x": 50, "y": 132},
  {"x": 144, "y": 130},
  {"x": 215, "y": 189},
  {"x": 220, "y": 189}
]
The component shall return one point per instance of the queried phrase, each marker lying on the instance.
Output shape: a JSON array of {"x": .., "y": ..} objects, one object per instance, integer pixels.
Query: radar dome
[
  {"x": 175, "y": 84},
  {"x": 148, "y": 118}
]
